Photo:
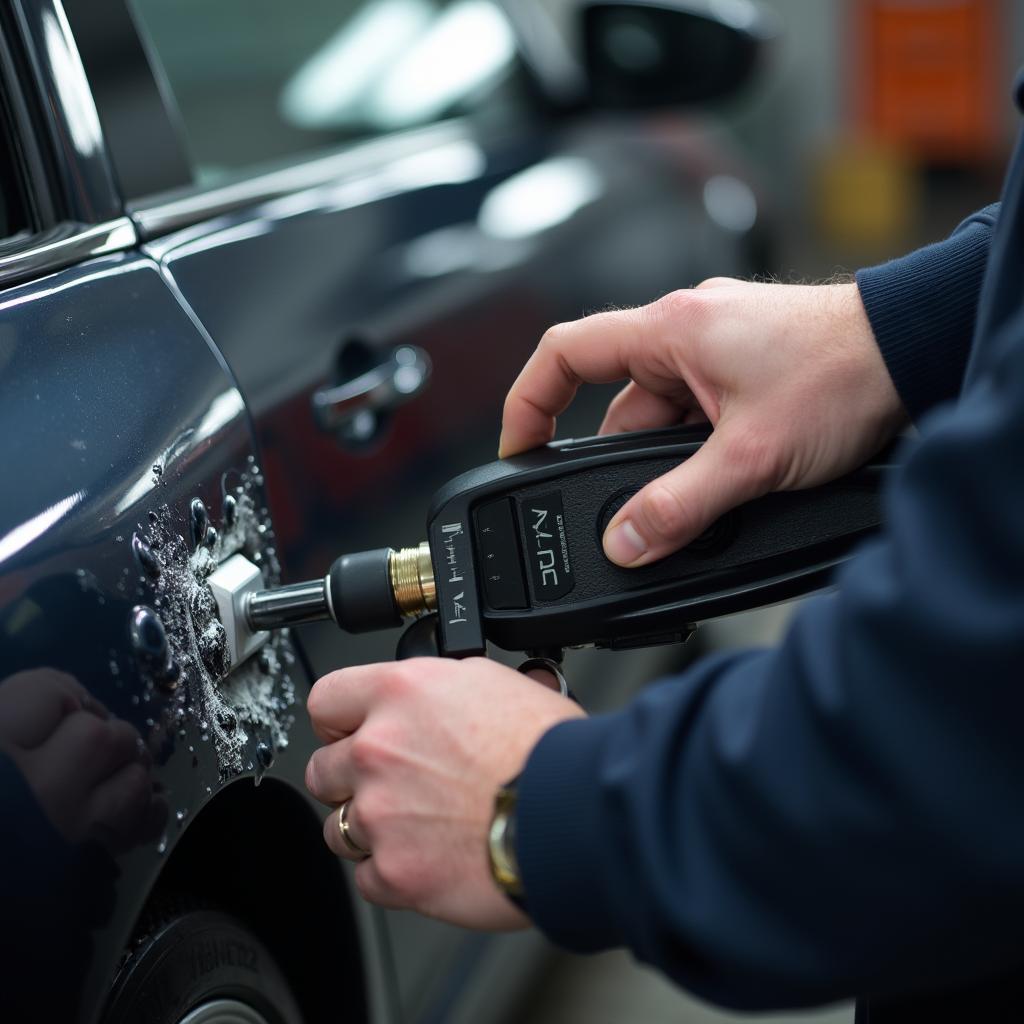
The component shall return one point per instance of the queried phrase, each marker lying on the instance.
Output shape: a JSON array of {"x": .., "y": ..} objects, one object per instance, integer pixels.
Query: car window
[
  {"x": 258, "y": 80},
  {"x": 8, "y": 205},
  {"x": 13, "y": 213},
  {"x": 13, "y": 216}
]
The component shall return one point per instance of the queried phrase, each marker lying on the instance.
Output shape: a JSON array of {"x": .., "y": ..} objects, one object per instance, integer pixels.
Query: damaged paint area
[{"x": 181, "y": 642}]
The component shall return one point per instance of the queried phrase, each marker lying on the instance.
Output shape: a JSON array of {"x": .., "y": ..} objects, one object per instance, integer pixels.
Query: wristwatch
[{"x": 501, "y": 843}]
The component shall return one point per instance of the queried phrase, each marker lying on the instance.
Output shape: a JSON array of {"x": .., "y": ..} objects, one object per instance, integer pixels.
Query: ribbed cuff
[
  {"x": 559, "y": 829},
  {"x": 922, "y": 309}
]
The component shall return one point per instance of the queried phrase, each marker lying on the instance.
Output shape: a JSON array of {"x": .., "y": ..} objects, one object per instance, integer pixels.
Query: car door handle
[{"x": 397, "y": 380}]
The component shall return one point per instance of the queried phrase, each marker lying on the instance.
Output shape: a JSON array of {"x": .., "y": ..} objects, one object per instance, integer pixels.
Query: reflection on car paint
[{"x": 181, "y": 645}]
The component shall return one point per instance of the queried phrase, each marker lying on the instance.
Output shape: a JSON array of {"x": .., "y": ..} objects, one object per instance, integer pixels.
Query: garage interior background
[{"x": 877, "y": 126}]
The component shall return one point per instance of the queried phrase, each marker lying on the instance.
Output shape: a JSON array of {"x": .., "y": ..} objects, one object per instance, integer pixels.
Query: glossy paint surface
[{"x": 116, "y": 417}]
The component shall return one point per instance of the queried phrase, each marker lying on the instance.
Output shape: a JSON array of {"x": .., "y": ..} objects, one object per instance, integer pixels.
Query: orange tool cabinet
[{"x": 929, "y": 76}]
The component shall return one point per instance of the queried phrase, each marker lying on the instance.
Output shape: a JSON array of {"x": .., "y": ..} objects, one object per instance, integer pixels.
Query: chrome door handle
[{"x": 401, "y": 377}]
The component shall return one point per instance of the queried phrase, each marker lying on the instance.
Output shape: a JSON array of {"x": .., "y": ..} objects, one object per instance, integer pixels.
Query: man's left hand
[{"x": 420, "y": 748}]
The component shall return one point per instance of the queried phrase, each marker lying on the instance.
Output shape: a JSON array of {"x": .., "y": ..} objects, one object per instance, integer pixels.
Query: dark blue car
[{"x": 266, "y": 273}]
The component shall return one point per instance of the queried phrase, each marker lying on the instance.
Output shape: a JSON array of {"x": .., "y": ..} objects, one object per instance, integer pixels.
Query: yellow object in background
[{"x": 867, "y": 198}]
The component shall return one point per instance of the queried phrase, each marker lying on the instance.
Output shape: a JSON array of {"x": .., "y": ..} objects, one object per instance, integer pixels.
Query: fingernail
[{"x": 623, "y": 545}]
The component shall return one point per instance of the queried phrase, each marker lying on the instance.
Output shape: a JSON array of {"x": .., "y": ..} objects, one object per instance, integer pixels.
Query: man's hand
[
  {"x": 420, "y": 748},
  {"x": 790, "y": 377}
]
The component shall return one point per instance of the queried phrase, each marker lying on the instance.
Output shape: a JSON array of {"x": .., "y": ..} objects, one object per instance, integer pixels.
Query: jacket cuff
[
  {"x": 559, "y": 826},
  {"x": 922, "y": 309}
]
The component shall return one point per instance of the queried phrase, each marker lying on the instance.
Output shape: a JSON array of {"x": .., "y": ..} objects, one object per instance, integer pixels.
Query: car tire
[{"x": 199, "y": 966}]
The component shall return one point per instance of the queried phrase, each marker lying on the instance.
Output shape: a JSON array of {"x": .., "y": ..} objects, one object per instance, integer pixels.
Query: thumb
[{"x": 679, "y": 506}]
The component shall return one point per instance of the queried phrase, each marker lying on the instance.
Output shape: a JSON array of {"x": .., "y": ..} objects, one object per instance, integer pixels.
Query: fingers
[
  {"x": 323, "y": 729},
  {"x": 91, "y": 775},
  {"x": 595, "y": 350},
  {"x": 88, "y": 749},
  {"x": 336, "y": 841},
  {"x": 33, "y": 704},
  {"x": 372, "y": 886},
  {"x": 635, "y": 408},
  {"x": 680, "y": 505},
  {"x": 329, "y": 773},
  {"x": 338, "y": 702}
]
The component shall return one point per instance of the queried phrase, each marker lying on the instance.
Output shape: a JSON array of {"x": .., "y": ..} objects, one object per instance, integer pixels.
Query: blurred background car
[{"x": 266, "y": 273}]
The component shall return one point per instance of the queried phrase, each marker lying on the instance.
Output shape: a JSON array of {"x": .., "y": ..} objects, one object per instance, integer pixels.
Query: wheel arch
[{"x": 258, "y": 854}]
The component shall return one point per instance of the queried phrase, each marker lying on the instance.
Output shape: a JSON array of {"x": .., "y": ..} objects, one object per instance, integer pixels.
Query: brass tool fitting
[{"x": 412, "y": 580}]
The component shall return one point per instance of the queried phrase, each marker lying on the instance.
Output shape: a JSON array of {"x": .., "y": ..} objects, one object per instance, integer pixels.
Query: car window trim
[
  {"x": 29, "y": 166},
  {"x": 118, "y": 57},
  {"x": 50, "y": 242},
  {"x": 67, "y": 127},
  {"x": 162, "y": 214},
  {"x": 27, "y": 256}
]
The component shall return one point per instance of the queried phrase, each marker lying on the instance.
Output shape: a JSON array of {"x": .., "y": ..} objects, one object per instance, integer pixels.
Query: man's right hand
[{"x": 789, "y": 376}]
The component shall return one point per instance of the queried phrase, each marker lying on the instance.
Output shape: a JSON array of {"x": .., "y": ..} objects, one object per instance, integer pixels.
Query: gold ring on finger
[{"x": 346, "y": 832}]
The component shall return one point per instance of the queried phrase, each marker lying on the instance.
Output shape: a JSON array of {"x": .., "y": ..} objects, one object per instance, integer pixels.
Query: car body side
[{"x": 166, "y": 353}]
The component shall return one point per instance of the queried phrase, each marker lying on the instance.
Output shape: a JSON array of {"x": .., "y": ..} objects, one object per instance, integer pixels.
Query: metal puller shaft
[{"x": 364, "y": 591}]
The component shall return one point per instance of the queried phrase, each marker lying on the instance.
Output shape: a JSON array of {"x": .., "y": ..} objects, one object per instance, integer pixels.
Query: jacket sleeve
[
  {"x": 922, "y": 309},
  {"x": 842, "y": 815}
]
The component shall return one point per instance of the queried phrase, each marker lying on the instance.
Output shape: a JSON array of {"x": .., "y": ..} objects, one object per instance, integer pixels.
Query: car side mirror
[{"x": 644, "y": 54}]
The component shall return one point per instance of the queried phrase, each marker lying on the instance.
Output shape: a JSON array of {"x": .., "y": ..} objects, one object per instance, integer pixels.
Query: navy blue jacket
[{"x": 843, "y": 815}]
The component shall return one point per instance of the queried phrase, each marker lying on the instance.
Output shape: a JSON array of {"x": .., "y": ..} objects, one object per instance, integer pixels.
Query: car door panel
[{"x": 116, "y": 414}]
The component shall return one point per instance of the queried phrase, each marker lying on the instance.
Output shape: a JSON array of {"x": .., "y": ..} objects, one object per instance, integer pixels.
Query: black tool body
[{"x": 517, "y": 555}]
